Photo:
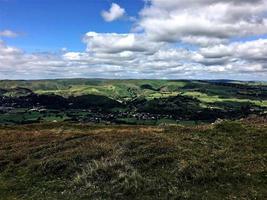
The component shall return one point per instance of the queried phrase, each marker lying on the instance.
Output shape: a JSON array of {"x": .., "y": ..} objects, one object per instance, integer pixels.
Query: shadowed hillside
[{"x": 129, "y": 101}]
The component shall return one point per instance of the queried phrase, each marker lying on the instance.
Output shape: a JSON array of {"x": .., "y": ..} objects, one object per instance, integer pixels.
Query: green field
[
  {"x": 159, "y": 101},
  {"x": 120, "y": 89},
  {"x": 128, "y": 89}
]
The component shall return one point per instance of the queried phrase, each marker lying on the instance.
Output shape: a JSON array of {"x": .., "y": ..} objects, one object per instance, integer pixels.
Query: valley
[{"x": 148, "y": 102}]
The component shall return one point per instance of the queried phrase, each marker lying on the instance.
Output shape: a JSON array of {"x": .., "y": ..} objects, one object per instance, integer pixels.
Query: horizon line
[{"x": 125, "y": 79}]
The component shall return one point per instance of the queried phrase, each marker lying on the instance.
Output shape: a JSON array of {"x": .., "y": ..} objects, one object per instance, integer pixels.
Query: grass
[
  {"x": 19, "y": 116},
  {"x": 226, "y": 160},
  {"x": 116, "y": 90},
  {"x": 212, "y": 99}
]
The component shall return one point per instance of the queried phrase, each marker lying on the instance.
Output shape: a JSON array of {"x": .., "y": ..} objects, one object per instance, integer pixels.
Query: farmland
[{"x": 141, "y": 101}]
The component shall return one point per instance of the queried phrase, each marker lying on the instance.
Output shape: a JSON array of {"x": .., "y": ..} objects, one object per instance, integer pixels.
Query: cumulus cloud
[
  {"x": 116, "y": 43},
  {"x": 195, "y": 21},
  {"x": 242, "y": 60},
  {"x": 8, "y": 33},
  {"x": 15, "y": 63},
  {"x": 175, "y": 39},
  {"x": 255, "y": 50},
  {"x": 115, "y": 12},
  {"x": 242, "y": 56}
]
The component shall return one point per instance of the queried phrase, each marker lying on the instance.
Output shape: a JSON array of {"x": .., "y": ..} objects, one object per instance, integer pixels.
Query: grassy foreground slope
[{"x": 67, "y": 161}]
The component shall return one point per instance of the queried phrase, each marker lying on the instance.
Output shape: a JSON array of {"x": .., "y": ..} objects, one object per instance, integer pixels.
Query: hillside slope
[{"x": 68, "y": 161}]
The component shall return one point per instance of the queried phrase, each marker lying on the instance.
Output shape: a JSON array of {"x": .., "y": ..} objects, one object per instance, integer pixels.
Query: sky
[{"x": 139, "y": 39}]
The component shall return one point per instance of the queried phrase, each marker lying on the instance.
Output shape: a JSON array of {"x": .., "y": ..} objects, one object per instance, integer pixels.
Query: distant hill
[
  {"x": 15, "y": 92},
  {"x": 121, "y": 89},
  {"x": 176, "y": 97}
]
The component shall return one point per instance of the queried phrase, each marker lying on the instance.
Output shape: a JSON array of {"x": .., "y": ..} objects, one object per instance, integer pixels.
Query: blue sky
[
  {"x": 49, "y": 25},
  {"x": 162, "y": 39}
]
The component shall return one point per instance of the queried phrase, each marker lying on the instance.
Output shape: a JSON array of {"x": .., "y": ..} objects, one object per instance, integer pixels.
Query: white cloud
[
  {"x": 255, "y": 51},
  {"x": 203, "y": 40},
  {"x": 189, "y": 20},
  {"x": 243, "y": 60},
  {"x": 180, "y": 39},
  {"x": 115, "y": 12},
  {"x": 8, "y": 33},
  {"x": 116, "y": 43}
]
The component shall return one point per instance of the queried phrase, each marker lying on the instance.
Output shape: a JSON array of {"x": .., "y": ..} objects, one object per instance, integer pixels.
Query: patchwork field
[
  {"x": 226, "y": 160},
  {"x": 147, "y": 102}
]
